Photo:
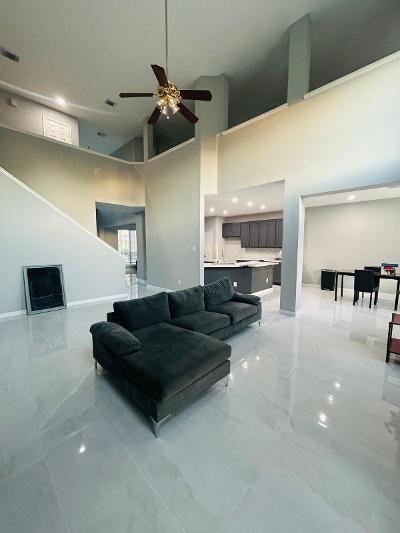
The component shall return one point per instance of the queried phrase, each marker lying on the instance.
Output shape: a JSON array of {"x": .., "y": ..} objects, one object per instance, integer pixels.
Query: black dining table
[{"x": 352, "y": 274}]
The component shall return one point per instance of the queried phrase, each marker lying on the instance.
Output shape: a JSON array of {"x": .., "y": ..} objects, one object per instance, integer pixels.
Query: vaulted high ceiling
[{"x": 89, "y": 50}]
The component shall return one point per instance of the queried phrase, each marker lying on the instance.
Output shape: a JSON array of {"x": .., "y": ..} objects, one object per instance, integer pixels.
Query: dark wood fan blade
[
  {"x": 191, "y": 117},
  {"x": 134, "y": 95},
  {"x": 154, "y": 116},
  {"x": 160, "y": 74},
  {"x": 196, "y": 95}
]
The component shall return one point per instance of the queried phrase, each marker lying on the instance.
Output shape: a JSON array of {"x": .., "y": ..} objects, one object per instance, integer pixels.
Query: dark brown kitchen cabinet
[
  {"x": 245, "y": 234},
  {"x": 254, "y": 233},
  {"x": 231, "y": 229},
  {"x": 271, "y": 234},
  {"x": 262, "y": 238},
  {"x": 226, "y": 230},
  {"x": 279, "y": 233},
  {"x": 235, "y": 230}
]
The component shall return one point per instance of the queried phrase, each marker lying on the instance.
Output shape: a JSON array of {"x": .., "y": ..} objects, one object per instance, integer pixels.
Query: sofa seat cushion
[
  {"x": 203, "y": 322},
  {"x": 186, "y": 301},
  {"x": 237, "y": 311},
  {"x": 142, "y": 312},
  {"x": 171, "y": 359}
]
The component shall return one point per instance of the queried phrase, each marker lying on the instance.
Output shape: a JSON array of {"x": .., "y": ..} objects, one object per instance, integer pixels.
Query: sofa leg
[
  {"x": 259, "y": 323},
  {"x": 95, "y": 365},
  {"x": 156, "y": 427},
  {"x": 226, "y": 380}
]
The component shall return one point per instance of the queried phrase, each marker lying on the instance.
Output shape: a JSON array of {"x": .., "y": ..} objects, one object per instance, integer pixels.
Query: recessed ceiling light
[
  {"x": 351, "y": 197},
  {"x": 212, "y": 209},
  {"x": 234, "y": 200},
  {"x": 250, "y": 203},
  {"x": 224, "y": 212},
  {"x": 262, "y": 206},
  {"x": 61, "y": 101}
]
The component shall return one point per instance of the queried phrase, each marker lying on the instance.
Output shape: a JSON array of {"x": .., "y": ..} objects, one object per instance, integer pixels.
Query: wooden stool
[{"x": 393, "y": 344}]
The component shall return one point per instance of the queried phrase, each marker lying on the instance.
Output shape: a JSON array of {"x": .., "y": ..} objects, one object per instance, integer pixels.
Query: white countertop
[{"x": 253, "y": 264}]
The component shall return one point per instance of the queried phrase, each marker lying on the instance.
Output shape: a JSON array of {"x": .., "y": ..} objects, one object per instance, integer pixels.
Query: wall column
[
  {"x": 299, "y": 60},
  {"x": 292, "y": 252},
  {"x": 213, "y": 119},
  {"x": 148, "y": 140}
]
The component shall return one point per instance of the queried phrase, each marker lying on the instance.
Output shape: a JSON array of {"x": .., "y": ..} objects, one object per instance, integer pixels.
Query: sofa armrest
[
  {"x": 115, "y": 338},
  {"x": 246, "y": 298}
]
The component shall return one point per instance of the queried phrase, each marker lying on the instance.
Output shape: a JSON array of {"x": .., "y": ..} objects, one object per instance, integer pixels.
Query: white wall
[
  {"x": 34, "y": 233},
  {"x": 28, "y": 116},
  {"x": 349, "y": 236},
  {"x": 72, "y": 179},
  {"x": 173, "y": 225},
  {"x": 342, "y": 137}
]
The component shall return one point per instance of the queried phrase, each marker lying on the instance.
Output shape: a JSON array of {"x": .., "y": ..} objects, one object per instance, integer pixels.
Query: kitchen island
[{"x": 247, "y": 277}]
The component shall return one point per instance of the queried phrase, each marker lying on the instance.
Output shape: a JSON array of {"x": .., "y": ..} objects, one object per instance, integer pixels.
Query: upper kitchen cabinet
[
  {"x": 245, "y": 234},
  {"x": 271, "y": 233},
  {"x": 231, "y": 229},
  {"x": 262, "y": 238},
  {"x": 254, "y": 233},
  {"x": 279, "y": 233},
  {"x": 226, "y": 230},
  {"x": 235, "y": 232}
]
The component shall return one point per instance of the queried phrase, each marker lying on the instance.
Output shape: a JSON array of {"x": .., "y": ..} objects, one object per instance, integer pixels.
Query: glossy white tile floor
[{"x": 305, "y": 439}]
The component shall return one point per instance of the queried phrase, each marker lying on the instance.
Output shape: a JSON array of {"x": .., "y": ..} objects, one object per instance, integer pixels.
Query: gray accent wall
[
  {"x": 349, "y": 236},
  {"x": 34, "y": 233}
]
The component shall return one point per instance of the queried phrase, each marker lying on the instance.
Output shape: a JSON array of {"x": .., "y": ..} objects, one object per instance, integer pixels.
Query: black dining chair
[
  {"x": 377, "y": 270},
  {"x": 366, "y": 281}
]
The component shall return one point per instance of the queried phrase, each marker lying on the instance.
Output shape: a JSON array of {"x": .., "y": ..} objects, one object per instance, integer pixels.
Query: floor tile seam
[
  {"x": 73, "y": 391},
  {"x": 53, "y": 483},
  {"x": 98, "y": 503},
  {"x": 164, "y": 502},
  {"x": 228, "y": 516}
]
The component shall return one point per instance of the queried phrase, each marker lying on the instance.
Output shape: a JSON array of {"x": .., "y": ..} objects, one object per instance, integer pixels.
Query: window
[{"x": 127, "y": 245}]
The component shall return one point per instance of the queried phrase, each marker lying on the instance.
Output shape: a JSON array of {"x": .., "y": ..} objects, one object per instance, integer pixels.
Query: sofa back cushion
[
  {"x": 187, "y": 301},
  {"x": 143, "y": 312},
  {"x": 218, "y": 292}
]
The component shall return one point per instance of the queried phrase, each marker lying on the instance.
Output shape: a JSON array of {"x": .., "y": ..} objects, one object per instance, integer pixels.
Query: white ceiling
[
  {"x": 269, "y": 198},
  {"x": 263, "y": 199},
  {"x": 89, "y": 50}
]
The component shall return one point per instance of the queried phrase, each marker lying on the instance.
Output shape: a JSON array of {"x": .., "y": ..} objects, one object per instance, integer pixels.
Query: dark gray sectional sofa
[{"x": 166, "y": 349}]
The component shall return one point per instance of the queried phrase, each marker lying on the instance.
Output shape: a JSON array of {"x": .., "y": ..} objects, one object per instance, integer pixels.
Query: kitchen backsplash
[{"x": 233, "y": 251}]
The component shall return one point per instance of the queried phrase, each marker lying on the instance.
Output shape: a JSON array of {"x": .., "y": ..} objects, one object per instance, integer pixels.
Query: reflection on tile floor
[{"x": 305, "y": 439}]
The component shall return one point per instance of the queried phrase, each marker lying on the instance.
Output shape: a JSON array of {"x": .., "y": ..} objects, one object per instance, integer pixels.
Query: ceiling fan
[{"x": 169, "y": 97}]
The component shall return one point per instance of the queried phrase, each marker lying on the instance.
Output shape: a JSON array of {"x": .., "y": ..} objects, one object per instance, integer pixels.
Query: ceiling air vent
[
  {"x": 110, "y": 102},
  {"x": 101, "y": 134},
  {"x": 9, "y": 55}
]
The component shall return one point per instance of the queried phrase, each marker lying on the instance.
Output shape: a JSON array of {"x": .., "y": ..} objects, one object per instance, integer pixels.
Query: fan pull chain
[{"x": 166, "y": 37}]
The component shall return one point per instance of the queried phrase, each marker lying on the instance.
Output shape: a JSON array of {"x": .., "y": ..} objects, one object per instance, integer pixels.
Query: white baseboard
[
  {"x": 13, "y": 314},
  {"x": 21, "y": 312},
  {"x": 97, "y": 300},
  {"x": 264, "y": 292},
  {"x": 290, "y": 313}
]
